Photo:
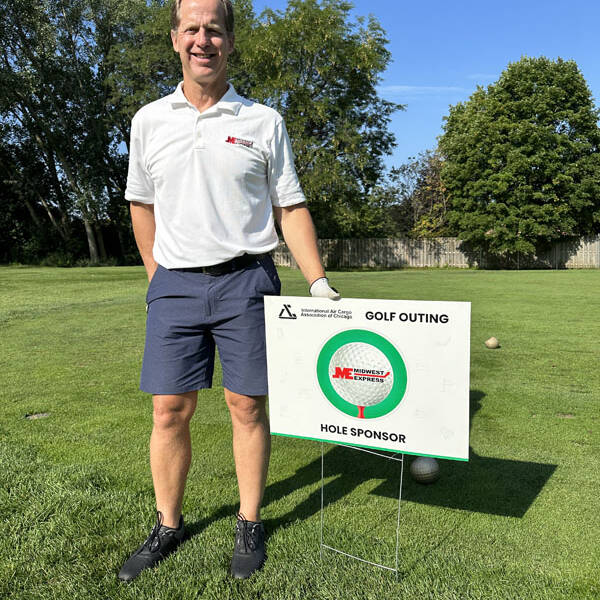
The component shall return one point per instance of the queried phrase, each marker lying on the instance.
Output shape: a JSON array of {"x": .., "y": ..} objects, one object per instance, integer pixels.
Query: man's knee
[
  {"x": 173, "y": 412},
  {"x": 246, "y": 410}
]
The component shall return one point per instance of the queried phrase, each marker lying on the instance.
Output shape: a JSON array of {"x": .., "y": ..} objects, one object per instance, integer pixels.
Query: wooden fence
[{"x": 438, "y": 252}]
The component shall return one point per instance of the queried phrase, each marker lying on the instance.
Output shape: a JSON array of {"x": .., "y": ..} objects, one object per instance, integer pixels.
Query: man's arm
[
  {"x": 300, "y": 236},
  {"x": 144, "y": 228}
]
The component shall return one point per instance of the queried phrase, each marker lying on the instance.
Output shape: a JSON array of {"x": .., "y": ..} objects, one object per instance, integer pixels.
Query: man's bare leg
[
  {"x": 251, "y": 449},
  {"x": 171, "y": 452}
]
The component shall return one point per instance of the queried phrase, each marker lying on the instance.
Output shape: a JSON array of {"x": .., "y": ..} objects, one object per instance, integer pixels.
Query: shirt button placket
[{"x": 198, "y": 135}]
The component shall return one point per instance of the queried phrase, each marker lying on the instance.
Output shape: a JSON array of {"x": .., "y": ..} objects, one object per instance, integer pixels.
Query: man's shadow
[{"x": 488, "y": 485}]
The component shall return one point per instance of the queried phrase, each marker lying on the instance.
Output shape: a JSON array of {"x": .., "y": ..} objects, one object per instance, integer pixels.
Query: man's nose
[{"x": 202, "y": 39}]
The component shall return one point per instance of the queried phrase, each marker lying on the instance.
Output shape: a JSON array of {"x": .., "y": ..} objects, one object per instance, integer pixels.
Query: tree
[
  {"x": 54, "y": 104},
  {"x": 421, "y": 209},
  {"x": 320, "y": 70},
  {"x": 30, "y": 225},
  {"x": 522, "y": 160},
  {"x": 142, "y": 66}
]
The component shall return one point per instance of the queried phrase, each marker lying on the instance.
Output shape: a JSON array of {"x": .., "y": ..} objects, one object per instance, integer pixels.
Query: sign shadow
[
  {"x": 485, "y": 484},
  {"x": 489, "y": 485}
]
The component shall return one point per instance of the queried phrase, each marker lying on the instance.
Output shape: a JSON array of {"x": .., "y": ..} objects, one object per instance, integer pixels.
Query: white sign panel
[{"x": 386, "y": 374}]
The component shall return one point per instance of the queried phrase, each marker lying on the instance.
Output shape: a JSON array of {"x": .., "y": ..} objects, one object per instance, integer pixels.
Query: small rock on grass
[{"x": 492, "y": 343}]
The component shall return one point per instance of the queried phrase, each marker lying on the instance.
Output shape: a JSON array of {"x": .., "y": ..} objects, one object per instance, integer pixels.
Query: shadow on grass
[
  {"x": 487, "y": 485},
  {"x": 484, "y": 484}
]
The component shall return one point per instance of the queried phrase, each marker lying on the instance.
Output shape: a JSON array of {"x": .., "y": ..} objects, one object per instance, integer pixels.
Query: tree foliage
[
  {"x": 522, "y": 160},
  {"x": 320, "y": 71},
  {"x": 422, "y": 202},
  {"x": 57, "y": 120}
]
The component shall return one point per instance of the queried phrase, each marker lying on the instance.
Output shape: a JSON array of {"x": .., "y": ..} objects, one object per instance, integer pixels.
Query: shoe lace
[
  {"x": 248, "y": 532},
  {"x": 153, "y": 540}
]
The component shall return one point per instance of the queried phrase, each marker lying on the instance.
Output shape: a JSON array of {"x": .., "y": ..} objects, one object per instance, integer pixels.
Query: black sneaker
[
  {"x": 249, "y": 550},
  {"x": 160, "y": 543}
]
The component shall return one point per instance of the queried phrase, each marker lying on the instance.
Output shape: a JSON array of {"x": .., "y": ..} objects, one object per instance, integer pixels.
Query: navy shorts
[{"x": 189, "y": 314}]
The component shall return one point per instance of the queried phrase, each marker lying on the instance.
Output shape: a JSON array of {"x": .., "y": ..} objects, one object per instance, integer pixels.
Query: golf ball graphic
[{"x": 361, "y": 374}]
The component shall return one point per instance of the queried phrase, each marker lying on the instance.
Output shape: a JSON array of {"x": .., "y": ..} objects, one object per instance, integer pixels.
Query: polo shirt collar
[{"x": 231, "y": 102}]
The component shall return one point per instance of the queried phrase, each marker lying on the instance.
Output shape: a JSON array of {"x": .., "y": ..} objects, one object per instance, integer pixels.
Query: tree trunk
[
  {"x": 100, "y": 240},
  {"x": 94, "y": 259},
  {"x": 59, "y": 227},
  {"x": 121, "y": 239},
  {"x": 32, "y": 212}
]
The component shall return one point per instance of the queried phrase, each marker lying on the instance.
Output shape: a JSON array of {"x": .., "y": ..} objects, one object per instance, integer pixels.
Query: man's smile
[{"x": 202, "y": 57}]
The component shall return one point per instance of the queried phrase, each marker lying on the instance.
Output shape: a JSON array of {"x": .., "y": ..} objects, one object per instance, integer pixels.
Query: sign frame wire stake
[{"x": 338, "y": 551}]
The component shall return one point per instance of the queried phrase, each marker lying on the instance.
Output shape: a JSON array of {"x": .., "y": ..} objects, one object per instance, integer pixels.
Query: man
[{"x": 208, "y": 173}]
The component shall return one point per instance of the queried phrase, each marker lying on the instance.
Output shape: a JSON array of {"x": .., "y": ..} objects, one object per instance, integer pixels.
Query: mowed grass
[{"x": 520, "y": 520}]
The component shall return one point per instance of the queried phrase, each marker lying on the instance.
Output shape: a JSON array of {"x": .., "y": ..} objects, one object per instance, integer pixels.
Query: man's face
[{"x": 202, "y": 42}]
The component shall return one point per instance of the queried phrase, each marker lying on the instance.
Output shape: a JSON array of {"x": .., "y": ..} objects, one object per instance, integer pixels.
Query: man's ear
[
  {"x": 174, "y": 40},
  {"x": 231, "y": 42}
]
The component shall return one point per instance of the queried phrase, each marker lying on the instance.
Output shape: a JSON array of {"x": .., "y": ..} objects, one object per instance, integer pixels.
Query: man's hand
[
  {"x": 320, "y": 288},
  {"x": 151, "y": 270}
]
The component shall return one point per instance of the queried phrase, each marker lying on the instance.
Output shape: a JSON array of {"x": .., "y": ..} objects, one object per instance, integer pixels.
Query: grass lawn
[{"x": 520, "y": 520}]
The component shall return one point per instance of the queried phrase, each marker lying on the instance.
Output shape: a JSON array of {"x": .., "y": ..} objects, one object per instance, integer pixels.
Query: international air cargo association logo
[{"x": 362, "y": 374}]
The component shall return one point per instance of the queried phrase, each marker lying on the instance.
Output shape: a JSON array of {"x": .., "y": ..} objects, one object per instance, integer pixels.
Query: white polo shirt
[{"x": 213, "y": 177}]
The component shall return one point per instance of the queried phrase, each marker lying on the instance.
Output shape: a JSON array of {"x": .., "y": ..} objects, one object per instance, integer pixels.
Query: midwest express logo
[{"x": 361, "y": 374}]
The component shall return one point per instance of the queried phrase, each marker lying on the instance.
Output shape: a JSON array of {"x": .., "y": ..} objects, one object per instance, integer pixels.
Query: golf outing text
[{"x": 406, "y": 317}]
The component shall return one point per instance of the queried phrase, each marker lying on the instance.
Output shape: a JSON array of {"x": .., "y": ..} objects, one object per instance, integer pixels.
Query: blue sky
[{"x": 442, "y": 50}]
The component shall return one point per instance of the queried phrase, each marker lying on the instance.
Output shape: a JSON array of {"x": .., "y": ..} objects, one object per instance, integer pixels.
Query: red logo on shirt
[{"x": 233, "y": 140}]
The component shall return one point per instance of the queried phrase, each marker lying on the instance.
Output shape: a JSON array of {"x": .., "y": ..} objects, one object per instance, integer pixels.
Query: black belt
[{"x": 235, "y": 264}]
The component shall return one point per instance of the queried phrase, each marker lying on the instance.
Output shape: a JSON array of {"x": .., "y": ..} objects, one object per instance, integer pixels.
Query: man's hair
[{"x": 225, "y": 4}]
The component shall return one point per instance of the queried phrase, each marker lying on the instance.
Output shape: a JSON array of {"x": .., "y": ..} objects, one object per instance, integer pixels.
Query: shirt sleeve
[
  {"x": 284, "y": 187},
  {"x": 140, "y": 187}
]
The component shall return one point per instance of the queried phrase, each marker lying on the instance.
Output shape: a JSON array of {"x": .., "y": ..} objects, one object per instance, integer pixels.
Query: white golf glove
[{"x": 320, "y": 288}]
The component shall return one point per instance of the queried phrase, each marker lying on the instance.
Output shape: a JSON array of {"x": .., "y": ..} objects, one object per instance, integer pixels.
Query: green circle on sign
[{"x": 368, "y": 337}]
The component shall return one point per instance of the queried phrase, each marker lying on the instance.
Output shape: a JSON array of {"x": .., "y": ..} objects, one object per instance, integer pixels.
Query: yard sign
[{"x": 385, "y": 374}]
